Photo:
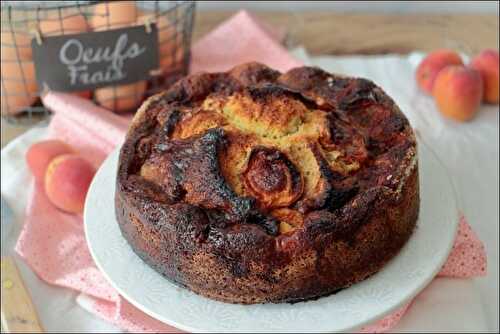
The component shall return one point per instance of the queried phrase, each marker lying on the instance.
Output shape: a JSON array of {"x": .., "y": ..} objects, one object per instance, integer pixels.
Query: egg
[
  {"x": 18, "y": 93},
  {"x": 113, "y": 15},
  {"x": 121, "y": 98},
  {"x": 16, "y": 64},
  {"x": 169, "y": 44},
  {"x": 86, "y": 94},
  {"x": 67, "y": 25},
  {"x": 16, "y": 45}
]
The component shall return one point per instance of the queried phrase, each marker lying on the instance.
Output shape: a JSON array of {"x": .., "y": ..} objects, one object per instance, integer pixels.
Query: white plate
[{"x": 400, "y": 280}]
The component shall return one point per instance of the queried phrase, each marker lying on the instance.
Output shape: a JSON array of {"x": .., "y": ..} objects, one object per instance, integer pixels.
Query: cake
[{"x": 255, "y": 186}]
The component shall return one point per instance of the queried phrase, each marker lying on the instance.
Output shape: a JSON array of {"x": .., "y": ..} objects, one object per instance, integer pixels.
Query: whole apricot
[
  {"x": 430, "y": 66},
  {"x": 67, "y": 181},
  {"x": 458, "y": 91},
  {"x": 487, "y": 64},
  {"x": 40, "y": 154}
]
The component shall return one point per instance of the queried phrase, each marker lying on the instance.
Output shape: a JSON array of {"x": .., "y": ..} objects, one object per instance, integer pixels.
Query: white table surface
[{"x": 470, "y": 151}]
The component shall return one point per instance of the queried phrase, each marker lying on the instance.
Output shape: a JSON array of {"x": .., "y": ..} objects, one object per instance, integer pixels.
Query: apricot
[
  {"x": 458, "y": 91},
  {"x": 429, "y": 68},
  {"x": 40, "y": 154},
  {"x": 487, "y": 64},
  {"x": 67, "y": 181}
]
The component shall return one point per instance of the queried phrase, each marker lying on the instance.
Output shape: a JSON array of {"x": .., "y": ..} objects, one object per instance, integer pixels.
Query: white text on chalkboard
[{"x": 77, "y": 58}]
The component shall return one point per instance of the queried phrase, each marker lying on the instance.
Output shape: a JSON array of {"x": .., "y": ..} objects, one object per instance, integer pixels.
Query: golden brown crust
[{"x": 254, "y": 186}]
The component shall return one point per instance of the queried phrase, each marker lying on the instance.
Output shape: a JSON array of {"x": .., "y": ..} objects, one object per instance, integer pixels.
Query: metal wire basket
[{"x": 19, "y": 19}]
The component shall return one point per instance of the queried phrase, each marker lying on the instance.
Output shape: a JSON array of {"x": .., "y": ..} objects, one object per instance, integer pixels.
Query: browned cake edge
[{"x": 242, "y": 264}]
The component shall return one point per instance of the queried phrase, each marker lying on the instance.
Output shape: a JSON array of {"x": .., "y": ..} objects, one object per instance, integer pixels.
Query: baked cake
[{"x": 253, "y": 186}]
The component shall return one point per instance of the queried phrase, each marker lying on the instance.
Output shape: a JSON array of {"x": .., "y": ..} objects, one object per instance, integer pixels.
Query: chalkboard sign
[{"x": 96, "y": 59}]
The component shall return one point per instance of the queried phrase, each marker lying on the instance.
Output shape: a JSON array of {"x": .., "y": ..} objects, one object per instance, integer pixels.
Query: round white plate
[{"x": 400, "y": 280}]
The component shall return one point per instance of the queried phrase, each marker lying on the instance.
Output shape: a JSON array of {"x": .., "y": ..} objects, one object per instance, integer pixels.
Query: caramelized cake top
[{"x": 254, "y": 146}]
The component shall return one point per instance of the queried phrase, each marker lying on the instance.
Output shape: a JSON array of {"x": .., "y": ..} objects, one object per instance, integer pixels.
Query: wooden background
[{"x": 343, "y": 34}]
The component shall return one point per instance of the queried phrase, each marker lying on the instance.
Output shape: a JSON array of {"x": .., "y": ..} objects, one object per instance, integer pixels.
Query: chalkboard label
[{"x": 95, "y": 59}]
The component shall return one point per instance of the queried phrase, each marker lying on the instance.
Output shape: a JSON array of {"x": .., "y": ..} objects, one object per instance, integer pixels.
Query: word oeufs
[{"x": 79, "y": 59}]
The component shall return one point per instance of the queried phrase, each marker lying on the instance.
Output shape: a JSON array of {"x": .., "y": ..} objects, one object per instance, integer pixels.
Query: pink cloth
[
  {"x": 239, "y": 40},
  {"x": 53, "y": 243}
]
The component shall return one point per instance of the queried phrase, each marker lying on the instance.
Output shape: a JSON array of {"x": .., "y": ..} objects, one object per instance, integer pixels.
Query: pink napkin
[
  {"x": 239, "y": 40},
  {"x": 53, "y": 243}
]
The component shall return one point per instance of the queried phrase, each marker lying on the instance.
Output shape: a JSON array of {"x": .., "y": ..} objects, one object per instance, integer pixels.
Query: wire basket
[{"x": 20, "y": 19}]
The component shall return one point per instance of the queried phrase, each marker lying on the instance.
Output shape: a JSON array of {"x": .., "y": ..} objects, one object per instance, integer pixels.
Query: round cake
[{"x": 255, "y": 186}]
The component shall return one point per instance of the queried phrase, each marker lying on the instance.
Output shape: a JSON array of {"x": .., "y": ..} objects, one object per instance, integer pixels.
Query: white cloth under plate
[{"x": 470, "y": 151}]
